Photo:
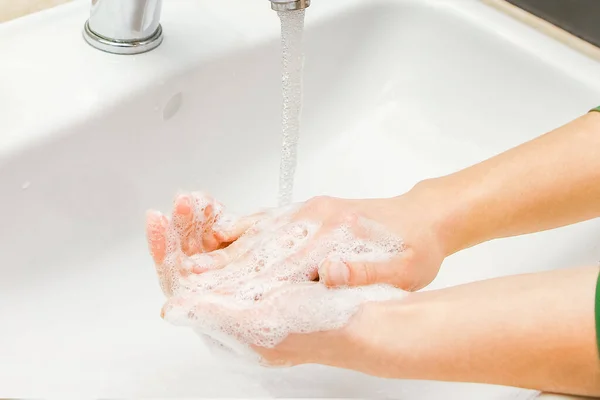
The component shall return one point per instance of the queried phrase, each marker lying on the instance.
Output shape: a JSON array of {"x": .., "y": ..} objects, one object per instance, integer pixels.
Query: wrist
[
  {"x": 449, "y": 203},
  {"x": 384, "y": 333}
]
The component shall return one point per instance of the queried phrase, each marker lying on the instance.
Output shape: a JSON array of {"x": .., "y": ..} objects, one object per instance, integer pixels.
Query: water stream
[{"x": 292, "y": 30}]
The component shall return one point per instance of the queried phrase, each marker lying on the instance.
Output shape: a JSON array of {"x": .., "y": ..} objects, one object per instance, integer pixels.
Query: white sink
[{"x": 396, "y": 91}]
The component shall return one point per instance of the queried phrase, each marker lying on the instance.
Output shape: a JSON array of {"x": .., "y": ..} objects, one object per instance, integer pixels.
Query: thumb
[{"x": 337, "y": 272}]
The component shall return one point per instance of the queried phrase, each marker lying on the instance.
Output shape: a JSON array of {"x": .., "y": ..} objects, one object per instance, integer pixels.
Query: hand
[
  {"x": 199, "y": 224},
  {"x": 296, "y": 324},
  {"x": 414, "y": 217},
  {"x": 259, "y": 291}
]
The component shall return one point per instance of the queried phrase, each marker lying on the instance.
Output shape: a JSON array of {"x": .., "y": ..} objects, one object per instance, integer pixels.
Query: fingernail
[
  {"x": 184, "y": 205},
  {"x": 164, "y": 221},
  {"x": 337, "y": 273},
  {"x": 156, "y": 223},
  {"x": 152, "y": 215}
]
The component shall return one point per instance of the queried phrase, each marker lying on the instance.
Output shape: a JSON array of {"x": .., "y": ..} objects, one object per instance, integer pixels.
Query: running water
[{"x": 292, "y": 29}]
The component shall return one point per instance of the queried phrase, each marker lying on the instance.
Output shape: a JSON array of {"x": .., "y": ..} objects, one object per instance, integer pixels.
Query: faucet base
[{"x": 122, "y": 46}]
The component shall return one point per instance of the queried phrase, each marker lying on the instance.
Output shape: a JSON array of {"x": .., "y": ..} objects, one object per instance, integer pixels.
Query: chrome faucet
[
  {"x": 289, "y": 5},
  {"x": 124, "y": 26},
  {"x": 133, "y": 26}
]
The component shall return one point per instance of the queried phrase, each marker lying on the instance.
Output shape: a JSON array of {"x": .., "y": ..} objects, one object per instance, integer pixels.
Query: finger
[
  {"x": 373, "y": 256},
  {"x": 398, "y": 271},
  {"x": 210, "y": 242},
  {"x": 156, "y": 230},
  {"x": 193, "y": 217},
  {"x": 230, "y": 229},
  {"x": 212, "y": 213},
  {"x": 164, "y": 248},
  {"x": 297, "y": 248},
  {"x": 218, "y": 259},
  {"x": 183, "y": 220}
]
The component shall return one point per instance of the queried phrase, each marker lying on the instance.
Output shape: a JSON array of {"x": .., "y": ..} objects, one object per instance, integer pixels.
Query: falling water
[{"x": 292, "y": 29}]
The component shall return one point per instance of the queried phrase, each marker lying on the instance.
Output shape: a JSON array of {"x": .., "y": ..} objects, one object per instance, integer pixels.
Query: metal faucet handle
[{"x": 124, "y": 26}]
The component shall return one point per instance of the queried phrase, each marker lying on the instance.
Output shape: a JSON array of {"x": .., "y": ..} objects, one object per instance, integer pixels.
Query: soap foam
[{"x": 270, "y": 289}]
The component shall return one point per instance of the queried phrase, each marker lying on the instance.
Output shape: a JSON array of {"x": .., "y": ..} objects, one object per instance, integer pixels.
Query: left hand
[{"x": 240, "y": 329}]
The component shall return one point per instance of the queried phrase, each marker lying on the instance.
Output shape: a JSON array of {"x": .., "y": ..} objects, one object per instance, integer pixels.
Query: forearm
[
  {"x": 534, "y": 331},
  {"x": 549, "y": 182}
]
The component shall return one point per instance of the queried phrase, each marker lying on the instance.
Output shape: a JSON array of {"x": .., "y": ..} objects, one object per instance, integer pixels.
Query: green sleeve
[
  {"x": 597, "y": 306},
  {"x": 597, "y": 312}
]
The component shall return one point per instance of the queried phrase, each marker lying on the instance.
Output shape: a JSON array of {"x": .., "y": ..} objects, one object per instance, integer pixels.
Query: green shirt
[
  {"x": 597, "y": 109},
  {"x": 598, "y": 312}
]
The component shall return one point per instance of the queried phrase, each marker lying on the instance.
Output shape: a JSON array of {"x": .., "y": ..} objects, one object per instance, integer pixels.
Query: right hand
[
  {"x": 415, "y": 217},
  {"x": 412, "y": 217}
]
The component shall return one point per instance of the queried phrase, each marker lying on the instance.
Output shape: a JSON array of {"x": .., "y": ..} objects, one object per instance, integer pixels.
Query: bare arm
[
  {"x": 551, "y": 181},
  {"x": 534, "y": 331}
]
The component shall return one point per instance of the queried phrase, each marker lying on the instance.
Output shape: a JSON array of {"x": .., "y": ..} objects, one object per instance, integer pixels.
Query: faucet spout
[
  {"x": 124, "y": 26},
  {"x": 289, "y": 5}
]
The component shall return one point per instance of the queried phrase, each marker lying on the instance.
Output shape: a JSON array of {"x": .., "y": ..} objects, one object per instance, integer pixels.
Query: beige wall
[{"x": 10, "y": 9}]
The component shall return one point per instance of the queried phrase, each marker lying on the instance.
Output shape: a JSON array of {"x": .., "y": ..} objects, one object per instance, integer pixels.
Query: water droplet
[{"x": 25, "y": 185}]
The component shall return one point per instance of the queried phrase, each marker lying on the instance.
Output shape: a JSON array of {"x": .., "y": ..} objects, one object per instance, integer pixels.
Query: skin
[
  {"x": 518, "y": 332},
  {"x": 534, "y": 331}
]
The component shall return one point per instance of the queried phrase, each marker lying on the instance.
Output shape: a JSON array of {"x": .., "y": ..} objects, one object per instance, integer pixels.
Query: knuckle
[{"x": 362, "y": 274}]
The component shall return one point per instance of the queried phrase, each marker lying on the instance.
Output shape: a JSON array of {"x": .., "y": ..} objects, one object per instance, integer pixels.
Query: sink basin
[{"x": 395, "y": 91}]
